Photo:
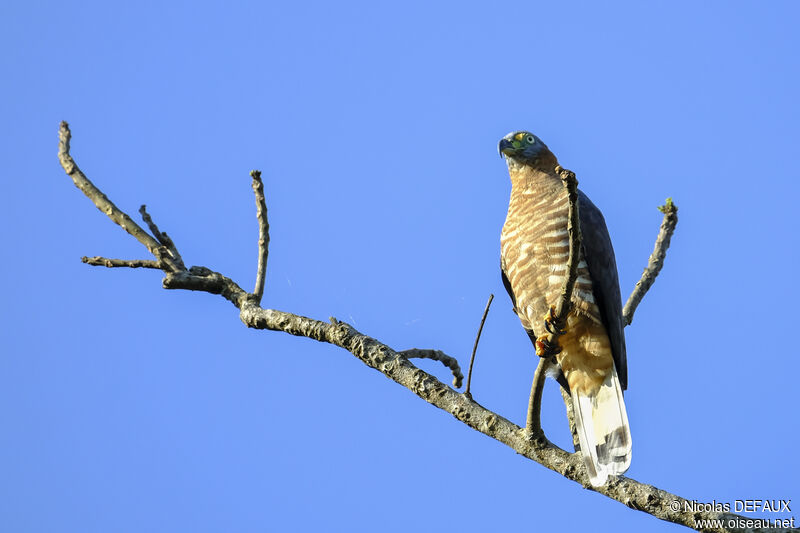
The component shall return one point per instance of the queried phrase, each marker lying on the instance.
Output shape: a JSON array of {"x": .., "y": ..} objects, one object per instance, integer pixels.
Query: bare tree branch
[
  {"x": 263, "y": 234},
  {"x": 656, "y": 261},
  {"x": 396, "y": 366}
]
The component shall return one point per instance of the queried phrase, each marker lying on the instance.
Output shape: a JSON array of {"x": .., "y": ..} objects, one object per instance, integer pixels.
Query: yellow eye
[{"x": 530, "y": 139}]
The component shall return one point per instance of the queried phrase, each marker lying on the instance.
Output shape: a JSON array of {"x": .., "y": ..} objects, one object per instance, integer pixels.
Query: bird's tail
[{"x": 603, "y": 432}]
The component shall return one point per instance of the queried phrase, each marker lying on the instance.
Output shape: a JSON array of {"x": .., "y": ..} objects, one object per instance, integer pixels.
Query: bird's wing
[
  {"x": 507, "y": 284},
  {"x": 599, "y": 255}
]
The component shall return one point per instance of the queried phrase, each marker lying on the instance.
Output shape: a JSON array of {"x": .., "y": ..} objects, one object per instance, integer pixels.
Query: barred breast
[{"x": 535, "y": 249}]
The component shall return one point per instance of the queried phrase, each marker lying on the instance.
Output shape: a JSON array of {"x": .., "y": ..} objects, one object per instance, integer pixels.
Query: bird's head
[{"x": 524, "y": 148}]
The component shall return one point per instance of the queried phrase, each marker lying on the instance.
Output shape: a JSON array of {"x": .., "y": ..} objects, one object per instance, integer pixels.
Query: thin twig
[
  {"x": 128, "y": 263},
  {"x": 161, "y": 236},
  {"x": 467, "y": 392},
  {"x": 437, "y": 355},
  {"x": 547, "y": 344},
  {"x": 656, "y": 261},
  {"x": 263, "y": 234},
  {"x": 102, "y": 202}
]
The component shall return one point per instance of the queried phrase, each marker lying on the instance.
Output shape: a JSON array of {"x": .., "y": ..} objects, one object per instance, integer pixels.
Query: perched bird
[{"x": 535, "y": 247}]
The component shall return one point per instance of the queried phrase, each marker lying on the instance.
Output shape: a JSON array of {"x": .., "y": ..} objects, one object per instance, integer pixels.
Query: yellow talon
[
  {"x": 550, "y": 322},
  {"x": 544, "y": 348}
]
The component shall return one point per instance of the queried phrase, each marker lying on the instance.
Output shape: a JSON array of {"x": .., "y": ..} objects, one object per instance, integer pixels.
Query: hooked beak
[{"x": 505, "y": 148}]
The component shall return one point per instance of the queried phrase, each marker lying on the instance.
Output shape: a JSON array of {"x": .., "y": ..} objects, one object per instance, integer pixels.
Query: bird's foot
[
  {"x": 545, "y": 348},
  {"x": 551, "y": 324}
]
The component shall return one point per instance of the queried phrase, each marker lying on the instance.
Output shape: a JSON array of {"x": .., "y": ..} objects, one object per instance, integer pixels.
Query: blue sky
[{"x": 128, "y": 408}]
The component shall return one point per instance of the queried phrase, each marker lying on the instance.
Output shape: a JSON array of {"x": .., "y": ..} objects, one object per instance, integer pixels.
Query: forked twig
[{"x": 105, "y": 205}]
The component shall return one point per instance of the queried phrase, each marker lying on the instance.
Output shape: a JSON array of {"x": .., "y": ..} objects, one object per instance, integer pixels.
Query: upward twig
[
  {"x": 533, "y": 420},
  {"x": 656, "y": 261},
  {"x": 263, "y": 234},
  {"x": 467, "y": 391}
]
